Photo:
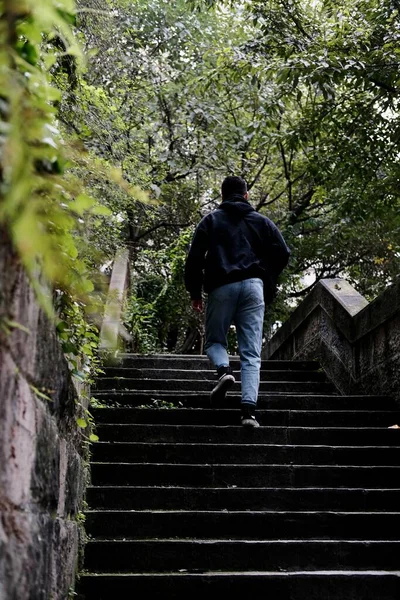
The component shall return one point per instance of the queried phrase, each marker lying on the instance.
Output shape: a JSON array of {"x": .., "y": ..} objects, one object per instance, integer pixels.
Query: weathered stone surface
[
  {"x": 45, "y": 480},
  {"x": 37, "y": 556},
  {"x": 74, "y": 483},
  {"x": 42, "y": 460},
  {"x": 64, "y": 560},
  {"x": 357, "y": 343},
  {"x": 17, "y": 434},
  {"x": 346, "y": 295}
]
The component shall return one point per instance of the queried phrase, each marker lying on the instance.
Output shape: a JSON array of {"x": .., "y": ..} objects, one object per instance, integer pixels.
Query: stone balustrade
[{"x": 356, "y": 342}]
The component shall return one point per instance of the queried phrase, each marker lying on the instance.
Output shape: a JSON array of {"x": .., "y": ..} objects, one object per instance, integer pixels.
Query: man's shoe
[
  {"x": 248, "y": 417},
  {"x": 225, "y": 382}
]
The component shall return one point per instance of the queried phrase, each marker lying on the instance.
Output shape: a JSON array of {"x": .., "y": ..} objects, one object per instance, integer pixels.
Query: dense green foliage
[
  {"x": 47, "y": 207},
  {"x": 299, "y": 97}
]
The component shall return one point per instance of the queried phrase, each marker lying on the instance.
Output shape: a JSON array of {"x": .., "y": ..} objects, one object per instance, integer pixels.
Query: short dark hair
[{"x": 233, "y": 185}]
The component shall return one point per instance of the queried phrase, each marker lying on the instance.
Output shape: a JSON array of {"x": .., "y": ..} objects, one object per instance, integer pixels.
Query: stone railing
[
  {"x": 356, "y": 342},
  {"x": 113, "y": 334}
]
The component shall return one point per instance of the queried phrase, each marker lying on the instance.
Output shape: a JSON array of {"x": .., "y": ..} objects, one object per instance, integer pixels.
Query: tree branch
[
  {"x": 296, "y": 21},
  {"x": 384, "y": 86},
  {"x": 287, "y": 174},
  {"x": 158, "y": 226},
  {"x": 258, "y": 174},
  {"x": 264, "y": 203}
]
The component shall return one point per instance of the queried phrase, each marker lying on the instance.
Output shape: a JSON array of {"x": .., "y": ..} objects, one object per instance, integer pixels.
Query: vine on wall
[{"x": 44, "y": 207}]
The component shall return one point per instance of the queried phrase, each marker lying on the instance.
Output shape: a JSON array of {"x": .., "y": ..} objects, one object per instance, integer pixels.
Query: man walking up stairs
[{"x": 236, "y": 256}]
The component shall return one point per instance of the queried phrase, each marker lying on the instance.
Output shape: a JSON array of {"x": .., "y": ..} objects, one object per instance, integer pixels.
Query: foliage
[
  {"x": 157, "y": 307},
  {"x": 300, "y": 98},
  {"x": 141, "y": 321},
  {"x": 79, "y": 338},
  {"x": 336, "y": 75},
  {"x": 163, "y": 404},
  {"x": 291, "y": 102},
  {"x": 49, "y": 203},
  {"x": 39, "y": 205}
]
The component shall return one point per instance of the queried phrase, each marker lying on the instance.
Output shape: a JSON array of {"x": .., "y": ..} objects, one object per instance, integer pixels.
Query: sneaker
[
  {"x": 248, "y": 417},
  {"x": 225, "y": 382}
]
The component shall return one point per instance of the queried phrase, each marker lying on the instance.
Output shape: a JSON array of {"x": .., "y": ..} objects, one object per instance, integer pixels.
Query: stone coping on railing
[
  {"x": 112, "y": 329},
  {"x": 356, "y": 342}
]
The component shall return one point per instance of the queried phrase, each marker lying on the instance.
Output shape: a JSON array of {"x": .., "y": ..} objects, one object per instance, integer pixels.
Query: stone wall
[
  {"x": 42, "y": 471},
  {"x": 356, "y": 342}
]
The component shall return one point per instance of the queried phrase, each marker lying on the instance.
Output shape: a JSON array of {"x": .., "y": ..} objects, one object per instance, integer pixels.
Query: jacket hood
[{"x": 236, "y": 206}]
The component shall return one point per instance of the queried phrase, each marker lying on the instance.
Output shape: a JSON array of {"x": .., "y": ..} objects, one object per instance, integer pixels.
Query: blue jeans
[{"x": 242, "y": 304}]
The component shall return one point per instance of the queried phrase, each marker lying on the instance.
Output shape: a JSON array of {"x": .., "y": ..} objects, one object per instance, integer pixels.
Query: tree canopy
[{"x": 153, "y": 103}]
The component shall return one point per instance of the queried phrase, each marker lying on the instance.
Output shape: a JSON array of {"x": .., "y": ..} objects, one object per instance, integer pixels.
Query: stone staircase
[{"x": 184, "y": 501}]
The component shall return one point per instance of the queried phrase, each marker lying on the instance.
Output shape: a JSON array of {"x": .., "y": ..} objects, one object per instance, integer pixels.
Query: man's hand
[{"x": 197, "y": 305}]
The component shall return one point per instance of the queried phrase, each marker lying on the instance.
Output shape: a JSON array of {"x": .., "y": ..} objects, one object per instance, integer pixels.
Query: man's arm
[{"x": 194, "y": 266}]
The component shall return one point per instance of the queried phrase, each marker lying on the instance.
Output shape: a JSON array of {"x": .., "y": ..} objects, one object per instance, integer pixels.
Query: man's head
[{"x": 233, "y": 185}]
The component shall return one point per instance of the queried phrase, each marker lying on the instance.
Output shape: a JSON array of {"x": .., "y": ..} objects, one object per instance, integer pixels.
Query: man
[{"x": 236, "y": 255}]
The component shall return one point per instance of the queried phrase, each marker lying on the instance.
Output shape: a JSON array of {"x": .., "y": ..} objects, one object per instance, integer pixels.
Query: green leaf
[
  {"x": 79, "y": 375},
  {"x": 81, "y": 204},
  {"x": 81, "y": 423},
  {"x": 86, "y": 286},
  {"x": 93, "y": 437},
  {"x": 70, "y": 348},
  {"x": 62, "y": 326},
  {"x": 101, "y": 211},
  {"x": 69, "y": 18},
  {"x": 16, "y": 325},
  {"x": 39, "y": 393},
  {"x": 50, "y": 60},
  {"x": 29, "y": 52},
  {"x": 53, "y": 95}
]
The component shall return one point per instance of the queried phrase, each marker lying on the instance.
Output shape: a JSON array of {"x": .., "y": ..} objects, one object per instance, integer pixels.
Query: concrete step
[
  {"x": 245, "y": 475},
  {"x": 183, "y": 500},
  {"x": 282, "y": 417},
  {"x": 208, "y": 374},
  {"x": 142, "y": 452},
  {"x": 326, "y": 436},
  {"x": 291, "y": 585},
  {"x": 173, "y": 555},
  {"x": 236, "y": 498},
  {"x": 193, "y": 385},
  {"x": 247, "y": 524},
  {"x": 278, "y": 401},
  {"x": 176, "y": 361}
]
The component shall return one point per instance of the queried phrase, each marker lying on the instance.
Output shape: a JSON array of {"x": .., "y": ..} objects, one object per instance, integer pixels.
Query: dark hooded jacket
[{"x": 233, "y": 243}]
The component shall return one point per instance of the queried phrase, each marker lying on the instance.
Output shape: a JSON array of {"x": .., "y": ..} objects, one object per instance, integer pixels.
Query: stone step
[
  {"x": 291, "y": 585},
  {"x": 142, "y": 452},
  {"x": 231, "y": 555},
  {"x": 175, "y": 361},
  {"x": 293, "y": 401},
  {"x": 208, "y": 374},
  {"x": 326, "y": 436},
  {"x": 305, "y": 507},
  {"x": 245, "y": 524},
  {"x": 283, "y": 417},
  {"x": 236, "y": 498},
  {"x": 117, "y": 385},
  {"x": 244, "y": 475}
]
